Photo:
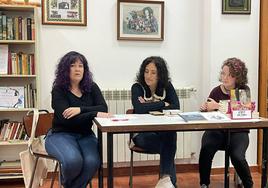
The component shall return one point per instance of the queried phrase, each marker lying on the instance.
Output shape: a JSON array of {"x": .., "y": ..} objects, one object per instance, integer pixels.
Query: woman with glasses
[{"x": 233, "y": 76}]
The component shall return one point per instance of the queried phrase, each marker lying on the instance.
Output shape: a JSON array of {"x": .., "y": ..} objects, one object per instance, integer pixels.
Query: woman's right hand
[
  {"x": 204, "y": 107},
  {"x": 104, "y": 115}
]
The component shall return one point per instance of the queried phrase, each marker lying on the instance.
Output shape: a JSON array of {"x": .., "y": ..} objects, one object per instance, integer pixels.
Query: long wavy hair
[
  {"x": 62, "y": 72},
  {"x": 162, "y": 71},
  {"x": 237, "y": 70}
]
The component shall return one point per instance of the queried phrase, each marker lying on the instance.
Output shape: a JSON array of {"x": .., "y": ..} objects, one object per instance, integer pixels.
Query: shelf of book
[
  {"x": 13, "y": 142},
  {"x": 19, "y": 76},
  {"x": 10, "y": 176},
  {"x": 15, "y": 109},
  {"x": 17, "y": 41}
]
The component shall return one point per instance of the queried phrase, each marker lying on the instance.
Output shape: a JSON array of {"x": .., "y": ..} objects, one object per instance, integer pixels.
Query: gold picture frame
[
  {"x": 55, "y": 12},
  {"x": 140, "y": 20}
]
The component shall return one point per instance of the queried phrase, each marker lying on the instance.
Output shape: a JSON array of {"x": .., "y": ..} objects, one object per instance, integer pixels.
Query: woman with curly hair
[
  {"x": 233, "y": 75},
  {"x": 154, "y": 92},
  {"x": 76, "y": 101}
]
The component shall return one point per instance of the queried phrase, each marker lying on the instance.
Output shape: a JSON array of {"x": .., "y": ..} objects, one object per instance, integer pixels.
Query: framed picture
[
  {"x": 236, "y": 6},
  {"x": 140, "y": 20},
  {"x": 64, "y": 12}
]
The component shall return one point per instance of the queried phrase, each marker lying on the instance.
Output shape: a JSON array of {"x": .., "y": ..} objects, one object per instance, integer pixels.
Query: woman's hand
[
  {"x": 71, "y": 112},
  {"x": 166, "y": 103},
  {"x": 212, "y": 105},
  {"x": 141, "y": 99},
  {"x": 204, "y": 107},
  {"x": 104, "y": 115}
]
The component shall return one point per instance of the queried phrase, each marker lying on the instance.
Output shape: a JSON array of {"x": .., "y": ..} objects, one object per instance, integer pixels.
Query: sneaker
[
  {"x": 164, "y": 183},
  {"x": 131, "y": 144},
  {"x": 204, "y": 186}
]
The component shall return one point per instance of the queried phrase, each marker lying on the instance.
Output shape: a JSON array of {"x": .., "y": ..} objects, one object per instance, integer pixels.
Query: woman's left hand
[
  {"x": 212, "y": 105},
  {"x": 71, "y": 112}
]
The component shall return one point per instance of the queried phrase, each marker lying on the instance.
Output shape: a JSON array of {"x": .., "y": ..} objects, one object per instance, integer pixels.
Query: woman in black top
[
  {"x": 233, "y": 76},
  {"x": 154, "y": 92},
  {"x": 76, "y": 101}
]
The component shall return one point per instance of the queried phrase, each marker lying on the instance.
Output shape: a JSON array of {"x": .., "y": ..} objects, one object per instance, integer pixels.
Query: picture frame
[
  {"x": 64, "y": 12},
  {"x": 140, "y": 20},
  {"x": 236, "y": 6}
]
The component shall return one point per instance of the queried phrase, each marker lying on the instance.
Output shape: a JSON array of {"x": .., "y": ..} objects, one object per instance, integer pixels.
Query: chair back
[{"x": 43, "y": 125}]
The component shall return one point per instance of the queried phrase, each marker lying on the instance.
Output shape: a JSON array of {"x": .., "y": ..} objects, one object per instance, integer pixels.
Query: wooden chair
[
  {"x": 132, "y": 150},
  {"x": 43, "y": 125}
]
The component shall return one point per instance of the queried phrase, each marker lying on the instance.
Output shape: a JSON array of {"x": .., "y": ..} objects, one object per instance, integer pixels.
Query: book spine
[
  {"x": 29, "y": 29},
  {"x": 1, "y": 27},
  {"x": 4, "y": 27}
]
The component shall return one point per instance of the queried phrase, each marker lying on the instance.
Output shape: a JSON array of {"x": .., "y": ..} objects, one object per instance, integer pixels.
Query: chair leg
[
  {"x": 53, "y": 176},
  {"x": 227, "y": 162},
  {"x": 59, "y": 174},
  {"x": 131, "y": 170},
  {"x": 32, "y": 176}
]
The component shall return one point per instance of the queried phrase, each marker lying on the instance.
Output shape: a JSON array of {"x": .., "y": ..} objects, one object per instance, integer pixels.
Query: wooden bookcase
[{"x": 10, "y": 149}]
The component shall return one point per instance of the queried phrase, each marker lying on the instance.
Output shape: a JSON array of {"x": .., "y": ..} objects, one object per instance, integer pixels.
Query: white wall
[{"x": 197, "y": 40}]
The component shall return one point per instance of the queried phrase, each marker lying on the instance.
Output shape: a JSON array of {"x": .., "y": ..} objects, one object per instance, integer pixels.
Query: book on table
[
  {"x": 204, "y": 116},
  {"x": 192, "y": 116}
]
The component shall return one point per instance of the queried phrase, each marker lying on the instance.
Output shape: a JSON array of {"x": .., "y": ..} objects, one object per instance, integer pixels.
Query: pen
[{"x": 119, "y": 119}]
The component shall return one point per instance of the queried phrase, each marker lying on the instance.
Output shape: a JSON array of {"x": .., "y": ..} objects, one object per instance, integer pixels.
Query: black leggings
[{"x": 212, "y": 141}]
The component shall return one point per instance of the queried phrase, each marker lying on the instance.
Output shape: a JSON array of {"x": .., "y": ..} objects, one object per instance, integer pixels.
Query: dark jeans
[
  {"x": 163, "y": 143},
  {"x": 212, "y": 141},
  {"x": 78, "y": 156}
]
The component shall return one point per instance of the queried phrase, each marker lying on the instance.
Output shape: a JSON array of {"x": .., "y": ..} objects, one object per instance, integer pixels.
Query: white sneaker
[{"x": 164, "y": 183}]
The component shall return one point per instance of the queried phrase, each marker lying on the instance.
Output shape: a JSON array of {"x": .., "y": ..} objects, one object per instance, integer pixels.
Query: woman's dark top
[
  {"x": 90, "y": 104},
  {"x": 217, "y": 94},
  {"x": 161, "y": 96}
]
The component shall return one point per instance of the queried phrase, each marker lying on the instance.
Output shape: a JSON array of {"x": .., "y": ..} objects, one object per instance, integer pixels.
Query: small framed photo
[
  {"x": 64, "y": 12},
  {"x": 140, "y": 20},
  {"x": 236, "y": 6}
]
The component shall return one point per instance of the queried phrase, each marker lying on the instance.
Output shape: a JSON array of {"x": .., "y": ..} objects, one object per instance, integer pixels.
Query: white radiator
[{"x": 119, "y": 101}]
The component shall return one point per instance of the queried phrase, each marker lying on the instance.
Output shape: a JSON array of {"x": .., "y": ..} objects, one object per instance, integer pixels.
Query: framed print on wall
[
  {"x": 64, "y": 12},
  {"x": 140, "y": 20},
  {"x": 236, "y": 6}
]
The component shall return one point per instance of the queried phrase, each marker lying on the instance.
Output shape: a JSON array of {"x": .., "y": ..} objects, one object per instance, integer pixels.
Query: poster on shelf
[{"x": 12, "y": 97}]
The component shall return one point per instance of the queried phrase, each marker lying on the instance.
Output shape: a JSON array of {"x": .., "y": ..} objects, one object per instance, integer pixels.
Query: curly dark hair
[
  {"x": 237, "y": 70},
  {"x": 62, "y": 72},
  {"x": 162, "y": 71}
]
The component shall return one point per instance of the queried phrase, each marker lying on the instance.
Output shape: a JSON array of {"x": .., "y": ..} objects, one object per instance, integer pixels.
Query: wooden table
[{"x": 145, "y": 122}]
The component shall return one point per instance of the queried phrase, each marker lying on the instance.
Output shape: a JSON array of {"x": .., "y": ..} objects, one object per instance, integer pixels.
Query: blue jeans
[
  {"x": 78, "y": 155},
  {"x": 163, "y": 143}
]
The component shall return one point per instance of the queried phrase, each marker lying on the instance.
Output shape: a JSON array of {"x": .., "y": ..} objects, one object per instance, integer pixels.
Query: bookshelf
[{"x": 18, "y": 69}]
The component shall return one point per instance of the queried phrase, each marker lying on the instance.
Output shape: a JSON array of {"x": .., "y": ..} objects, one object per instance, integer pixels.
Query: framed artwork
[
  {"x": 140, "y": 20},
  {"x": 236, "y": 6},
  {"x": 64, "y": 12}
]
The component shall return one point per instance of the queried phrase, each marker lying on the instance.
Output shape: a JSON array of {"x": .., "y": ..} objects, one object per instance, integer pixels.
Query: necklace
[{"x": 227, "y": 91}]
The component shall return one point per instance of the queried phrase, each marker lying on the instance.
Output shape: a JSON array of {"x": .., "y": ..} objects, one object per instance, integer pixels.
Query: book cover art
[
  {"x": 12, "y": 97},
  {"x": 192, "y": 116}
]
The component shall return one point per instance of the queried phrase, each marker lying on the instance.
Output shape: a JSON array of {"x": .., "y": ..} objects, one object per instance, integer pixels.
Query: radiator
[{"x": 119, "y": 101}]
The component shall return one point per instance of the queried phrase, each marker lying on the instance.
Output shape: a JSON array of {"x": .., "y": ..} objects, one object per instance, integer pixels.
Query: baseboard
[{"x": 152, "y": 167}]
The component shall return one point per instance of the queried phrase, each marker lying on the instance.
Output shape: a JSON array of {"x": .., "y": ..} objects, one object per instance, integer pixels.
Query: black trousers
[{"x": 212, "y": 141}]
